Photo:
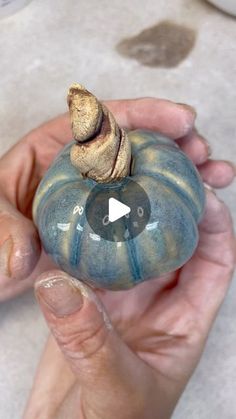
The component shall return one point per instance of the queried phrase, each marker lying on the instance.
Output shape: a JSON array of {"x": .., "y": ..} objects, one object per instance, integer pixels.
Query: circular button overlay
[{"x": 118, "y": 211}]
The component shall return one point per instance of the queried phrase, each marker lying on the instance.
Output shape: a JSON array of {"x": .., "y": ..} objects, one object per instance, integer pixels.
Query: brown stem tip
[{"x": 102, "y": 150}]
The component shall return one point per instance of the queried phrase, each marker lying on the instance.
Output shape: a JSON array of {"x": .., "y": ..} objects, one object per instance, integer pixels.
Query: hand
[
  {"x": 132, "y": 352},
  {"x": 21, "y": 169}
]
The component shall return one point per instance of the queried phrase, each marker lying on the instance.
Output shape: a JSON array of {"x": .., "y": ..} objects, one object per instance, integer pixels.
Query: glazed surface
[{"x": 176, "y": 195}]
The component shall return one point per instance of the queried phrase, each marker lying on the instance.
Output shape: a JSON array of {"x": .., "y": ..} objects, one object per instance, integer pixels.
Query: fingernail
[
  {"x": 60, "y": 295},
  {"x": 206, "y": 143},
  {"x": 189, "y": 108},
  {"x": 209, "y": 188},
  {"x": 5, "y": 255}
]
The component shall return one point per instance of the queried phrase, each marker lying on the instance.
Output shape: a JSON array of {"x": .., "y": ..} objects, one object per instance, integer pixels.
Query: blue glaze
[{"x": 176, "y": 195}]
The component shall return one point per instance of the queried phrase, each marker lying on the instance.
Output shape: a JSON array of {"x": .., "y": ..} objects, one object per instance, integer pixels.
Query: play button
[{"x": 117, "y": 211}]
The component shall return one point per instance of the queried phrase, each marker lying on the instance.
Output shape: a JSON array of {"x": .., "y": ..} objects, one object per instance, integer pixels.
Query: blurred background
[{"x": 50, "y": 44}]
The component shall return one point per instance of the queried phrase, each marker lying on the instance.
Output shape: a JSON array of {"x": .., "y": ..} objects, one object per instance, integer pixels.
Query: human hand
[
  {"x": 21, "y": 169},
  {"x": 132, "y": 352}
]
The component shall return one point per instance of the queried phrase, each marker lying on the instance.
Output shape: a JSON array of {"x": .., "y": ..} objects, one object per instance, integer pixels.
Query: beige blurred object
[
  {"x": 228, "y": 6},
  {"x": 9, "y": 7}
]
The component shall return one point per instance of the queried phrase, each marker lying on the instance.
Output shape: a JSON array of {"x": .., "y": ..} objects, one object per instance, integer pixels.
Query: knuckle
[{"x": 83, "y": 343}]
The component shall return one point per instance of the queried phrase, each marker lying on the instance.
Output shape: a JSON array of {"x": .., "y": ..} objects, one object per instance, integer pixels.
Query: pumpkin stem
[{"x": 102, "y": 150}]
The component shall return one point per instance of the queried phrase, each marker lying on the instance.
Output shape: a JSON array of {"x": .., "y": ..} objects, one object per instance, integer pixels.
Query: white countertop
[{"x": 52, "y": 43}]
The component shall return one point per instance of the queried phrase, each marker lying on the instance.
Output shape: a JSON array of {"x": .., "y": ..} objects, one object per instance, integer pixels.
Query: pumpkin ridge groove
[
  {"x": 132, "y": 251},
  {"x": 133, "y": 261},
  {"x": 188, "y": 201},
  {"x": 50, "y": 191},
  {"x": 76, "y": 242}
]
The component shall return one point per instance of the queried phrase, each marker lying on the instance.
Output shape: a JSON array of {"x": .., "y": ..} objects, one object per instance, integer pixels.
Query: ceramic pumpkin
[{"x": 102, "y": 153}]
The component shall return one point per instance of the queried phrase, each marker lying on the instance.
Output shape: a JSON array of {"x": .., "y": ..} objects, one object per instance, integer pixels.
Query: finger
[
  {"x": 171, "y": 119},
  {"x": 46, "y": 141},
  {"x": 160, "y": 115},
  {"x": 49, "y": 137},
  {"x": 217, "y": 173},
  {"x": 205, "y": 279},
  {"x": 195, "y": 147},
  {"x": 95, "y": 352},
  {"x": 19, "y": 249},
  {"x": 52, "y": 382},
  {"x": 168, "y": 118}
]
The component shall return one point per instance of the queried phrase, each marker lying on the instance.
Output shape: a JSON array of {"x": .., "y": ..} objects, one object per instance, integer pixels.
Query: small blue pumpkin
[{"x": 176, "y": 196}]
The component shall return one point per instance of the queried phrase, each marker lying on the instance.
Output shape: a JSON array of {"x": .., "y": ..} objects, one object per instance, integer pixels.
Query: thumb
[
  {"x": 19, "y": 249},
  {"x": 109, "y": 373}
]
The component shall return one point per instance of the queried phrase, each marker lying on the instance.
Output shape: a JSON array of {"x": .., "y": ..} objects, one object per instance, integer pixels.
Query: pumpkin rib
[
  {"x": 172, "y": 186},
  {"x": 191, "y": 190},
  {"x": 153, "y": 252}
]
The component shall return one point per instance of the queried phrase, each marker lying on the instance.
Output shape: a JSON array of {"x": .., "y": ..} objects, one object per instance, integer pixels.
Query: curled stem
[{"x": 102, "y": 150}]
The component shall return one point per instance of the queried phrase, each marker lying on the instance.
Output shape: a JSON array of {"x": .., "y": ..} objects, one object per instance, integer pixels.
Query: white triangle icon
[{"x": 116, "y": 209}]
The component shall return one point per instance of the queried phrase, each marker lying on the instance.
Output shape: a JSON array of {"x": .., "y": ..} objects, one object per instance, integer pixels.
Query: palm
[
  {"x": 141, "y": 314},
  {"x": 161, "y": 320}
]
